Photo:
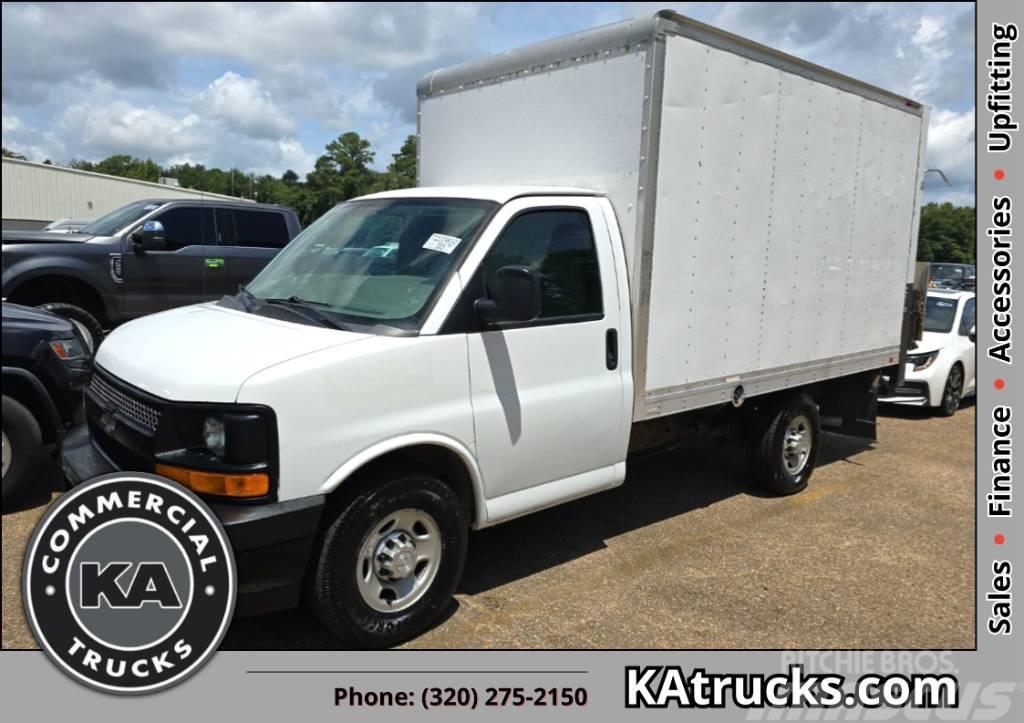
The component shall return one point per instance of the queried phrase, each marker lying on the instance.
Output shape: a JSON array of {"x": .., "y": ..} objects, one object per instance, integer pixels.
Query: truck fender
[
  {"x": 379, "y": 449},
  {"x": 50, "y": 265}
]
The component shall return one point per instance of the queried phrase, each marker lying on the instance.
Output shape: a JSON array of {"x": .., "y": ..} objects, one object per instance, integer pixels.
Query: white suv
[{"x": 940, "y": 369}]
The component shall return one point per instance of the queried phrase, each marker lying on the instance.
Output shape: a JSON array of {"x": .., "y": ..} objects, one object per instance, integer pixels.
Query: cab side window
[
  {"x": 186, "y": 226},
  {"x": 559, "y": 245},
  {"x": 264, "y": 229},
  {"x": 967, "y": 320}
]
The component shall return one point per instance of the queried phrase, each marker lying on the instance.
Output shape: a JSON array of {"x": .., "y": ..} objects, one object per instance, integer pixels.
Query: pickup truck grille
[{"x": 125, "y": 403}]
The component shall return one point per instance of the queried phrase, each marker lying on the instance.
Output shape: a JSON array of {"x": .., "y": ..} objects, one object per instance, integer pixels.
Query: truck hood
[
  {"x": 205, "y": 353},
  {"x": 43, "y": 237},
  {"x": 26, "y": 317}
]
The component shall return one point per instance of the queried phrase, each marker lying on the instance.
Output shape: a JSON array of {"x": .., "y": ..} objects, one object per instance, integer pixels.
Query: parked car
[
  {"x": 144, "y": 257},
  {"x": 46, "y": 364},
  {"x": 940, "y": 370},
  {"x": 424, "y": 361},
  {"x": 951, "y": 276},
  {"x": 67, "y": 225}
]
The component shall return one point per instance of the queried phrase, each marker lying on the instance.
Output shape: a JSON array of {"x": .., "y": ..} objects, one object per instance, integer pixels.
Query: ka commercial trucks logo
[{"x": 129, "y": 583}]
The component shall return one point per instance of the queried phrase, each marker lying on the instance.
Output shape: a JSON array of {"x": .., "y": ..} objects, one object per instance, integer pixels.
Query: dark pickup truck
[{"x": 144, "y": 257}]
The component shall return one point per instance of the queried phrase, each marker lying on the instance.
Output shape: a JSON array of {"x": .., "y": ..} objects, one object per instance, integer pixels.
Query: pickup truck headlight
[
  {"x": 923, "y": 361},
  {"x": 68, "y": 349}
]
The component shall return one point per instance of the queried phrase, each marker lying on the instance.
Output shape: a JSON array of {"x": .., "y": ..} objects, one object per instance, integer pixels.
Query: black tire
[
  {"x": 23, "y": 441},
  {"x": 769, "y": 439},
  {"x": 952, "y": 392},
  {"x": 332, "y": 587},
  {"x": 87, "y": 324}
]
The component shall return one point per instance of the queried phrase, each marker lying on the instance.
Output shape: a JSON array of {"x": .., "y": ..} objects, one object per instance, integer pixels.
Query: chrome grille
[{"x": 125, "y": 403}]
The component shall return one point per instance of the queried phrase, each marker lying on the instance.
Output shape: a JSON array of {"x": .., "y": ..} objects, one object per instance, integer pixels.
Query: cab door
[
  {"x": 174, "y": 276},
  {"x": 249, "y": 239},
  {"x": 549, "y": 395}
]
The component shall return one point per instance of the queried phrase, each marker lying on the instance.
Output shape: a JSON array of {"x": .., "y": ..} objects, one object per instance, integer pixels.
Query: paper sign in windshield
[{"x": 442, "y": 243}]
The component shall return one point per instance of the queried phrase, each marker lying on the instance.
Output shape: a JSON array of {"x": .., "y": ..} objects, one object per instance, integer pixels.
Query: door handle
[{"x": 611, "y": 349}]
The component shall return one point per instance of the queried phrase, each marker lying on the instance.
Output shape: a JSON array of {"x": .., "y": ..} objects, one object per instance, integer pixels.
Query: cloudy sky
[{"x": 264, "y": 87}]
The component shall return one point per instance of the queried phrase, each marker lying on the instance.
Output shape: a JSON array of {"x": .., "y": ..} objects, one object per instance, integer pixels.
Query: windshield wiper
[
  {"x": 310, "y": 307},
  {"x": 246, "y": 299}
]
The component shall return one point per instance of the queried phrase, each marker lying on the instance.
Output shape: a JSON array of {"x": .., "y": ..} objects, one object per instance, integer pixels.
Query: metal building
[{"x": 35, "y": 194}]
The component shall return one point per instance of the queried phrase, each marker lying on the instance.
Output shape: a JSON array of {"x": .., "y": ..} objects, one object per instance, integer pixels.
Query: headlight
[
  {"x": 68, "y": 349},
  {"x": 923, "y": 361},
  {"x": 227, "y": 451},
  {"x": 213, "y": 435}
]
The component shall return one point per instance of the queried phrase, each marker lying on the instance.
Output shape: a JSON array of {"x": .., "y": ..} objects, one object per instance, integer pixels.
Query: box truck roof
[
  {"x": 501, "y": 194},
  {"x": 625, "y": 36}
]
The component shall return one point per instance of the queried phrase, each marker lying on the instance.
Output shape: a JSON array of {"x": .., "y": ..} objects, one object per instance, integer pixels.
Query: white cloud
[
  {"x": 30, "y": 142},
  {"x": 930, "y": 33},
  {"x": 951, "y": 150},
  {"x": 244, "y": 105},
  {"x": 170, "y": 137},
  {"x": 113, "y": 127}
]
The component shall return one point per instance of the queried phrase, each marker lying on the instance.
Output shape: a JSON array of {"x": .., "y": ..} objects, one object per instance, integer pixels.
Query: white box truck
[{"x": 618, "y": 235}]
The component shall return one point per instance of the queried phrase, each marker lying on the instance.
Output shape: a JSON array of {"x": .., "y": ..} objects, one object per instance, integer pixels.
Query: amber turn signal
[{"x": 217, "y": 483}]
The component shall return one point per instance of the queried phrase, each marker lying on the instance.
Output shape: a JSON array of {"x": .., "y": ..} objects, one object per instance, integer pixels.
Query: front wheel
[
  {"x": 784, "y": 447},
  {"x": 952, "y": 392},
  {"x": 390, "y": 562}
]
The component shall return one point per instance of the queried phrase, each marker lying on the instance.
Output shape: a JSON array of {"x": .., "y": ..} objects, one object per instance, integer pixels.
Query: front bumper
[
  {"x": 910, "y": 392},
  {"x": 271, "y": 541}
]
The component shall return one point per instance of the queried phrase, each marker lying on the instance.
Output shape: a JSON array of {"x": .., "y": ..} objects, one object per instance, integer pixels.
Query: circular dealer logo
[{"x": 129, "y": 583}]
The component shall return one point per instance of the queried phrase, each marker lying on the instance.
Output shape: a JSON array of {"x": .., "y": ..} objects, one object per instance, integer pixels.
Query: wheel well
[
  {"x": 18, "y": 389},
  {"x": 63, "y": 289},
  {"x": 431, "y": 459}
]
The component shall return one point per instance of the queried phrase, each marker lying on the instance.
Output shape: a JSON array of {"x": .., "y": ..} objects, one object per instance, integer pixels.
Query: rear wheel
[
  {"x": 22, "y": 443},
  {"x": 390, "y": 562},
  {"x": 952, "y": 392},
  {"x": 86, "y": 324},
  {"x": 784, "y": 446}
]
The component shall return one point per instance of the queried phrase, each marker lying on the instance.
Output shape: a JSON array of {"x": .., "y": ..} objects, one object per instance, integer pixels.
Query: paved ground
[{"x": 877, "y": 553}]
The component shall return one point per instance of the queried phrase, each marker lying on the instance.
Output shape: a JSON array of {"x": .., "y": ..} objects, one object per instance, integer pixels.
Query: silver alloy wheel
[
  {"x": 6, "y": 453},
  {"x": 796, "y": 445},
  {"x": 398, "y": 560}
]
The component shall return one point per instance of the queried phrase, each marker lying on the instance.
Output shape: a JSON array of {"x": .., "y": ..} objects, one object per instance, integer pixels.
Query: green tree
[
  {"x": 947, "y": 233},
  {"x": 127, "y": 166},
  {"x": 401, "y": 172},
  {"x": 403, "y": 163},
  {"x": 343, "y": 172},
  {"x": 7, "y": 153}
]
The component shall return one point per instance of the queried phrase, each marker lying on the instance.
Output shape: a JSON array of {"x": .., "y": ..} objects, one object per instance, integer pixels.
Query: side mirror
[
  {"x": 515, "y": 296},
  {"x": 150, "y": 237},
  {"x": 973, "y": 335}
]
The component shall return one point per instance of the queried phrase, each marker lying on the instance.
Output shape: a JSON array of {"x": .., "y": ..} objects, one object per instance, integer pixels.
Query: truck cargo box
[{"x": 769, "y": 207}]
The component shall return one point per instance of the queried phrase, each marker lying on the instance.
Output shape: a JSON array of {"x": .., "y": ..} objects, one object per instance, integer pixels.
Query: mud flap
[{"x": 850, "y": 405}]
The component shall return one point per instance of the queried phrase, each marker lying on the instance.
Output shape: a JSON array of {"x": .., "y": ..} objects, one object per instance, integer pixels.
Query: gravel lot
[{"x": 877, "y": 553}]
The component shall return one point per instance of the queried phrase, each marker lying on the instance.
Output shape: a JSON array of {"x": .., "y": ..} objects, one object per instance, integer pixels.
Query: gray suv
[{"x": 144, "y": 257}]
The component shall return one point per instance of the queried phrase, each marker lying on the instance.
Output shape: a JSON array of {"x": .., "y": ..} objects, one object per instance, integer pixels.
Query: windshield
[
  {"x": 375, "y": 261},
  {"x": 939, "y": 314},
  {"x": 116, "y": 220},
  {"x": 947, "y": 271}
]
